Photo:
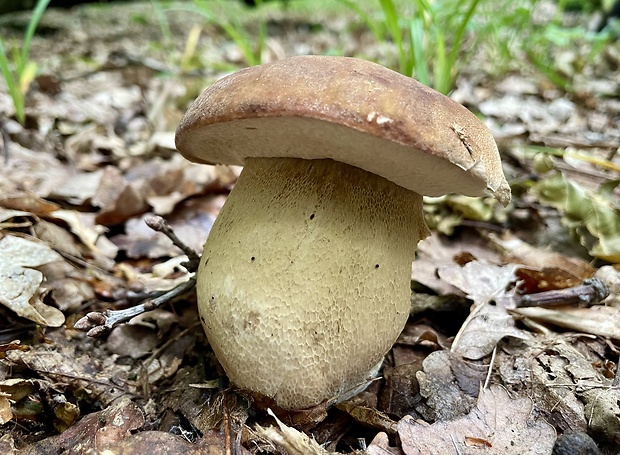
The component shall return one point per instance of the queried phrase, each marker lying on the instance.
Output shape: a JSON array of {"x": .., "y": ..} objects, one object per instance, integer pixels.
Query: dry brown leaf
[
  {"x": 368, "y": 416},
  {"x": 90, "y": 233},
  {"x": 597, "y": 320},
  {"x": 489, "y": 321},
  {"x": 162, "y": 443},
  {"x": 191, "y": 223},
  {"x": 118, "y": 199},
  {"x": 132, "y": 340},
  {"x": 437, "y": 251},
  {"x": 17, "y": 388},
  {"x": 7, "y": 214},
  {"x": 483, "y": 329},
  {"x": 291, "y": 440},
  {"x": 70, "y": 293},
  {"x": 39, "y": 173},
  {"x": 531, "y": 281},
  {"x": 80, "y": 187},
  {"x": 156, "y": 184},
  {"x": 569, "y": 392},
  {"x": 20, "y": 282},
  {"x": 7, "y": 445},
  {"x": 102, "y": 377},
  {"x": 5, "y": 409},
  {"x": 167, "y": 363},
  {"x": 94, "y": 432},
  {"x": 26, "y": 201},
  {"x": 504, "y": 424},
  {"x": 449, "y": 391},
  {"x": 57, "y": 237},
  {"x": 8, "y": 221},
  {"x": 380, "y": 445},
  {"x": 520, "y": 252},
  {"x": 400, "y": 392}
]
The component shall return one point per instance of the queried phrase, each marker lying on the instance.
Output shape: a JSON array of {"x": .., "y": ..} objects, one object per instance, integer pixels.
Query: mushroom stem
[{"x": 304, "y": 281}]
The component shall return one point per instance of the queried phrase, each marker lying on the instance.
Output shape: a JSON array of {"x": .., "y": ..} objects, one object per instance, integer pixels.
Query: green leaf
[{"x": 592, "y": 216}]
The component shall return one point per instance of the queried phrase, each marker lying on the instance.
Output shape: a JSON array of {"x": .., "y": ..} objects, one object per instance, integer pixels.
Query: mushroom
[{"x": 304, "y": 283}]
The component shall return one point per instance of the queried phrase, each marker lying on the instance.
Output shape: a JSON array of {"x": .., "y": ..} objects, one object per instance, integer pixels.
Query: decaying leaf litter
[{"x": 474, "y": 371}]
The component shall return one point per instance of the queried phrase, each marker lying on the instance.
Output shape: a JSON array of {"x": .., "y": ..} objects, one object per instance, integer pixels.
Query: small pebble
[{"x": 575, "y": 444}]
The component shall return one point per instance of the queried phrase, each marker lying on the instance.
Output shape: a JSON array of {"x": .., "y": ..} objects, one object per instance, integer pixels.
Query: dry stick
[
  {"x": 590, "y": 292},
  {"x": 99, "y": 323},
  {"x": 157, "y": 223}
]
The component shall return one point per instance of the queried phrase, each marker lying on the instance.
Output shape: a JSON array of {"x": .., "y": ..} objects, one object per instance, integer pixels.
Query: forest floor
[{"x": 474, "y": 371}]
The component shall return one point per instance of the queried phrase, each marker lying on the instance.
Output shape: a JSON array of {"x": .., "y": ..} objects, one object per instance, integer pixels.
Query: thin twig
[
  {"x": 157, "y": 223},
  {"x": 99, "y": 323},
  {"x": 590, "y": 292}
]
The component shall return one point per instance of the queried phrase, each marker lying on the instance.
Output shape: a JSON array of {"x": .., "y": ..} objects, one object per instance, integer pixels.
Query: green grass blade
[
  {"x": 32, "y": 25},
  {"x": 12, "y": 84},
  {"x": 391, "y": 20},
  {"x": 5, "y": 68},
  {"x": 374, "y": 27},
  {"x": 164, "y": 24},
  {"x": 236, "y": 32},
  {"x": 420, "y": 59},
  {"x": 458, "y": 39},
  {"x": 444, "y": 69}
]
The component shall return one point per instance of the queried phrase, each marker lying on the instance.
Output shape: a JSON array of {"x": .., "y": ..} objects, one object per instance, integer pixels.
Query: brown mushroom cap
[{"x": 348, "y": 110}]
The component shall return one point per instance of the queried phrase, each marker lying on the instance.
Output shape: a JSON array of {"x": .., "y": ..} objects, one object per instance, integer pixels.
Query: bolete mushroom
[{"x": 304, "y": 282}]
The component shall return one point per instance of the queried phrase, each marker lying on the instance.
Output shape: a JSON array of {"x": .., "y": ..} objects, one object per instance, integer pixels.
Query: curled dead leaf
[{"x": 20, "y": 281}]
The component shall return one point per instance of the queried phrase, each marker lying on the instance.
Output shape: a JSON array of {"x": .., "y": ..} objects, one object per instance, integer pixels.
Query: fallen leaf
[
  {"x": 102, "y": 377},
  {"x": 81, "y": 187},
  {"x": 519, "y": 252},
  {"x": 191, "y": 223},
  {"x": 488, "y": 322},
  {"x": 34, "y": 172},
  {"x": 57, "y": 238},
  {"x": 505, "y": 424},
  {"x": 531, "y": 281},
  {"x": 448, "y": 390},
  {"x": 438, "y": 250},
  {"x": 20, "y": 281},
  {"x": 380, "y": 445},
  {"x": 118, "y": 199},
  {"x": 400, "y": 393},
  {"x": 596, "y": 320},
  {"x": 569, "y": 392},
  {"x": 96, "y": 431},
  {"x": 7, "y": 219},
  {"x": 291, "y": 440},
  {"x": 163, "y": 443},
  {"x": 369, "y": 416},
  {"x": 70, "y": 293},
  {"x": 7, "y": 445},
  {"x": 5, "y": 409},
  {"x": 26, "y": 201},
  {"x": 90, "y": 233}
]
